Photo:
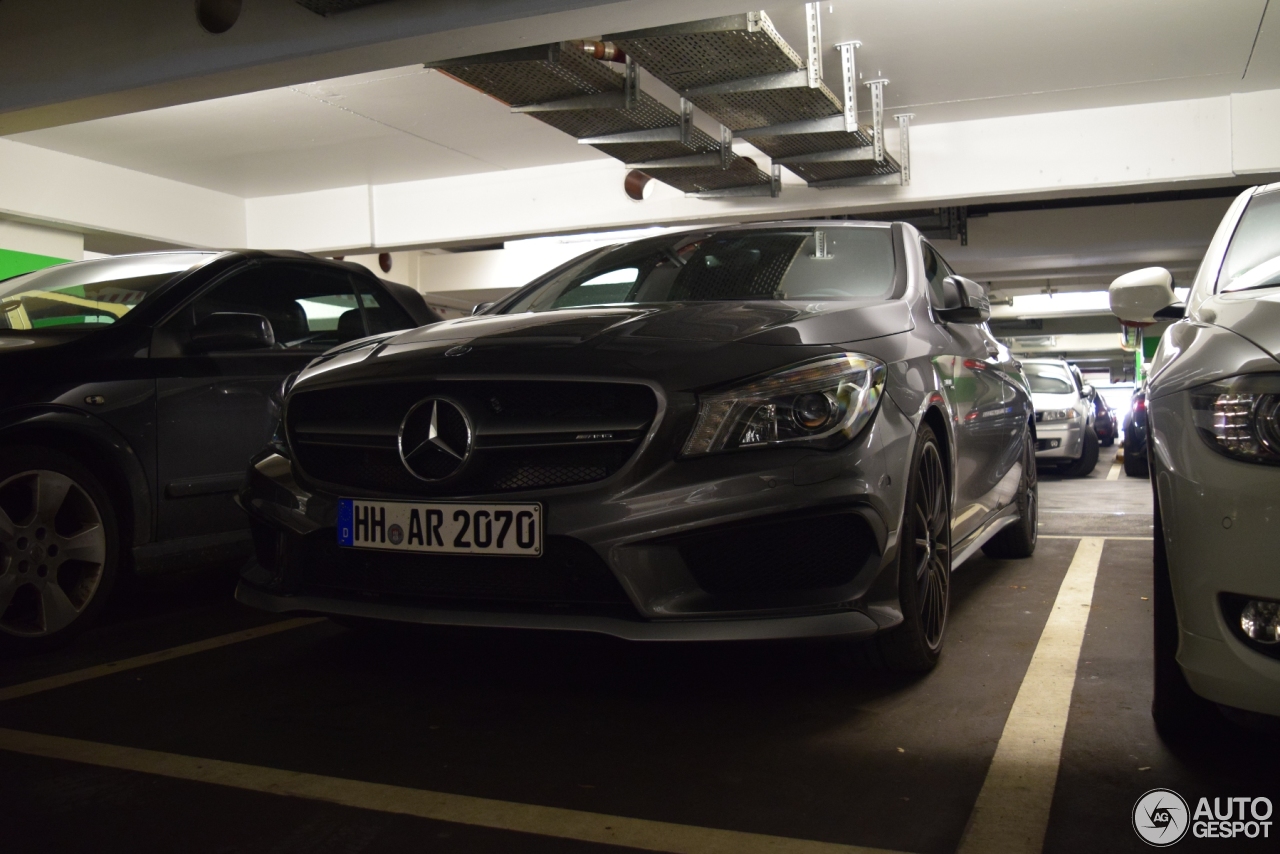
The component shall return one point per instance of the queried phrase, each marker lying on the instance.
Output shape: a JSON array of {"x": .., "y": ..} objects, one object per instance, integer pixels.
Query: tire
[
  {"x": 1135, "y": 464},
  {"x": 1019, "y": 539},
  {"x": 1088, "y": 461},
  {"x": 59, "y": 557},
  {"x": 1179, "y": 713},
  {"x": 924, "y": 568}
]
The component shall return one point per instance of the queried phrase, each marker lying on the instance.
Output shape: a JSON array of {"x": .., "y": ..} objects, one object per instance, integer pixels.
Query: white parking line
[
  {"x": 63, "y": 679},
  {"x": 440, "y": 806},
  {"x": 1116, "y": 468},
  {"x": 1012, "y": 811}
]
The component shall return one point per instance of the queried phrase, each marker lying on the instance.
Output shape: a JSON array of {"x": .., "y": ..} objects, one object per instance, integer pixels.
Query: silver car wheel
[
  {"x": 932, "y": 553},
  {"x": 53, "y": 552}
]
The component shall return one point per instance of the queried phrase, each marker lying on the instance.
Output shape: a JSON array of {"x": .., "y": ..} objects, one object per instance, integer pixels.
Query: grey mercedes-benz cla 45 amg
[{"x": 794, "y": 429}]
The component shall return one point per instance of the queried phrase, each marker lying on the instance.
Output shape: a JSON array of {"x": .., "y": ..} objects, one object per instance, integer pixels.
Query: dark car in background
[
  {"x": 135, "y": 390},
  {"x": 786, "y": 430},
  {"x": 1135, "y": 437},
  {"x": 1104, "y": 421}
]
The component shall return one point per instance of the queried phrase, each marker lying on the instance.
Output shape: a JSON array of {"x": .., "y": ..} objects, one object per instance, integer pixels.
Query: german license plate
[{"x": 453, "y": 528}]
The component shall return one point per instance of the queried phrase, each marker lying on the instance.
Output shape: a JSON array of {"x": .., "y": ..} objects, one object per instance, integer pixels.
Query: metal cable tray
[
  {"x": 740, "y": 71},
  {"x": 604, "y": 108}
]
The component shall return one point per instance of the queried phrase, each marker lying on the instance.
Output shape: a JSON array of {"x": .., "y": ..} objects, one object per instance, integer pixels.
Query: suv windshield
[
  {"x": 1049, "y": 379},
  {"x": 1253, "y": 261},
  {"x": 767, "y": 264},
  {"x": 88, "y": 294}
]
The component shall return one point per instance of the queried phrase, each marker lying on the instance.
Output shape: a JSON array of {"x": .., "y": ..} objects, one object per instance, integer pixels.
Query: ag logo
[{"x": 1160, "y": 817}]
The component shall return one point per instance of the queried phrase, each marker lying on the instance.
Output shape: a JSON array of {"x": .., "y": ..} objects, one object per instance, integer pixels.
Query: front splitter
[{"x": 848, "y": 624}]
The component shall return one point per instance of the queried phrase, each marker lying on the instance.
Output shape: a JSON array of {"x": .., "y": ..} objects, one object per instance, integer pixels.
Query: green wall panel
[{"x": 16, "y": 263}]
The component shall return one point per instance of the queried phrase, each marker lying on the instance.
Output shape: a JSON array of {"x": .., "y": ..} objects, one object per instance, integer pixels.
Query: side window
[
  {"x": 308, "y": 309},
  {"x": 611, "y": 287},
  {"x": 381, "y": 312}
]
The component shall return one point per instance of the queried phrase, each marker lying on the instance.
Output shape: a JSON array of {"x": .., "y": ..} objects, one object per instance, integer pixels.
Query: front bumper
[
  {"x": 663, "y": 556},
  {"x": 1059, "y": 441},
  {"x": 1221, "y": 521}
]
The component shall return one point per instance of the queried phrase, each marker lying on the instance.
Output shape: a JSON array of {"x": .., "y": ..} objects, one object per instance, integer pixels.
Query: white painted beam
[
  {"x": 1112, "y": 149},
  {"x": 78, "y": 194}
]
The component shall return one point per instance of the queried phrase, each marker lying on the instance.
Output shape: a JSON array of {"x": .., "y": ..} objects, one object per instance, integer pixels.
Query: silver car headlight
[
  {"x": 823, "y": 402},
  {"x": 1048, "y": 416},
  {"x": 1240, "y": 417}
]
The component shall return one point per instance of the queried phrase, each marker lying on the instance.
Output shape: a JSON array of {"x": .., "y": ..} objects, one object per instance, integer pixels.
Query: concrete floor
[{"x": 789, "y": 740}]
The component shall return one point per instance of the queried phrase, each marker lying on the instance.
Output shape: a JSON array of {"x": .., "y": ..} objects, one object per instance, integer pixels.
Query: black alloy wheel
[
  {"x": 58, "y": 544},
  {"x": 924, "y": 568}
]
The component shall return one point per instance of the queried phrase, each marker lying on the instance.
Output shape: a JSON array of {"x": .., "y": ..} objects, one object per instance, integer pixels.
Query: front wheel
[
  {"x": 59, "y": 544},
  {"x": 1088, "y": 461},
  {"x": 924, "y": 567}
]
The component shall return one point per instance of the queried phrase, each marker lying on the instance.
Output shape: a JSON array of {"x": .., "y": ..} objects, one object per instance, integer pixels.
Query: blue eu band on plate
[{"x": 442, "y": 528}]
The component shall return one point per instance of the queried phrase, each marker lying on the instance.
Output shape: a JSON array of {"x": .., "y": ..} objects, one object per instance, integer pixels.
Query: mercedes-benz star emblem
[{"x": 435, "y": 439}]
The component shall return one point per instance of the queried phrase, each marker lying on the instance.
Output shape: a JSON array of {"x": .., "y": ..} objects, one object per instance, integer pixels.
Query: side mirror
[
  {"x": 231, "y": 330},
  {"x": 1145, "y": 296},
  {"x": 1087, "y": 390},
  {"x": 966, "y": 301},
  {"x": 482, "y": 308}
]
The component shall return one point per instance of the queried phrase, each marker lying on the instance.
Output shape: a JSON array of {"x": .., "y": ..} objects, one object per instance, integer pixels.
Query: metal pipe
[{"x": 606, "y": 51}]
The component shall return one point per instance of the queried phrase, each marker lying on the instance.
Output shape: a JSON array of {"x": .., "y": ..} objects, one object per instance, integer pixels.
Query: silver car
[
  {"x": 1213, "y": 415},
  {"x": 1064, "y": 416}
]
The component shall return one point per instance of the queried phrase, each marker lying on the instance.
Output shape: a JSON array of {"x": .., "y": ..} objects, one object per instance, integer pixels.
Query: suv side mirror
[
  {"x": 482, "y": 308},
  {"x": 1087, "y": 390},
  {"x": 231, "y": 330},
  {"x": 967, "y": 301},
  {"x": 1145, "y": 296}
]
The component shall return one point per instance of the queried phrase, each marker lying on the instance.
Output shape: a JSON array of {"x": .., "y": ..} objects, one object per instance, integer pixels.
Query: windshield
[
  {"x": 88, "y": 294},
  {"x": 1049, "y": 379},
  {"x": 773, "y": 264},
  {"x": 1253, "y": 261}
]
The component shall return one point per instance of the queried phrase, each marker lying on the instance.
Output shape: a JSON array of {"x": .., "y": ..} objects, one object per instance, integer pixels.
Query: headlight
[
  {"x": 1240, "y": 417},
  {"x": 1050, "y": 415},
  {"x": 825, "y": 402}
]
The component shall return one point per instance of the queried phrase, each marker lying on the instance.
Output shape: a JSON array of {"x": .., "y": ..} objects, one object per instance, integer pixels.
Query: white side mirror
[{"x": 1144, "y": 296}]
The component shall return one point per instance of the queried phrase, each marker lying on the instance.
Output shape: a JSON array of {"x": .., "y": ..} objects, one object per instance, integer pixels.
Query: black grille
[
  {"x": 780, "y": 556},
  {"x": 568, "y": 573},
  {"x": 528, "y": 435}
]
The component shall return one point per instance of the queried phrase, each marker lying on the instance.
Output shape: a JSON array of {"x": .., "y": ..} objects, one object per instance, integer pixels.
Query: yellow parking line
[
  {"x": 1012, "y": 811},
  {"x": 439, "y": 806},
  {"x": 63, "y": 679},
  {"x": 1116, "y": 468}
]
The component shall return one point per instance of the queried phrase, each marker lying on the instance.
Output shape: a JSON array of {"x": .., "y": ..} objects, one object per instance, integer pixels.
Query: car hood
[
  {"x": 684, "y": 345},
  {"x": 1254, "y": 315}
]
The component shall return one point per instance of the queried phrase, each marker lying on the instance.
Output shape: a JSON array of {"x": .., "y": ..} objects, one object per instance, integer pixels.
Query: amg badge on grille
[{"x": 435, "y": 439}]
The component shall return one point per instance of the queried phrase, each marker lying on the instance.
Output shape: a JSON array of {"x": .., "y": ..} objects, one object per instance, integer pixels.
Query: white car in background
[
  {"x": 1213, "y": 421},
  {"x": 1064, "y": 416}
]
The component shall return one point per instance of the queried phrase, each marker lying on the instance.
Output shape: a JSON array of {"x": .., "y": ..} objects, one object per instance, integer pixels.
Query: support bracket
[
  {"x": 726, "y": 147},
  {"x": 683, "y": 162},
  {"x": 904, "y": 145},
  {"x": 877, "y": 115},
  {"x": 848, "y": 72},
  {"x": 826, "y": 124},
  {"x": 813, "y": 28}
]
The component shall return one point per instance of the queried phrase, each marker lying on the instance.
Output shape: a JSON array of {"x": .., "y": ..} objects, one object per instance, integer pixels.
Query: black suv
[{"x": 134, "y": 391}]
